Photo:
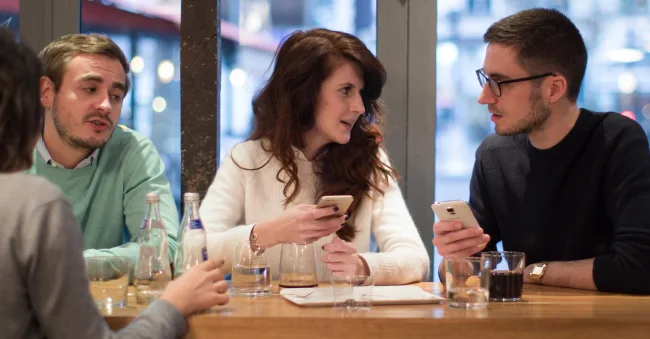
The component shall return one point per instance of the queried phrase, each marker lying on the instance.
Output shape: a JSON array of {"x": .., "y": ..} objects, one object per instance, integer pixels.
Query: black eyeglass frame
[{"x": 480, "y": 74}]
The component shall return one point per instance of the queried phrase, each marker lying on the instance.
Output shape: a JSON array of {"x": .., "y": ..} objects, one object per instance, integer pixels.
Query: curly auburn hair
[{"x": 284, "y": 111}]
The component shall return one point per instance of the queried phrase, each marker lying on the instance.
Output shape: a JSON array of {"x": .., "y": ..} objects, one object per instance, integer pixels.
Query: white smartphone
[
  {"x": 343, "y": 202},
  {"x": 455, "y": 210}
]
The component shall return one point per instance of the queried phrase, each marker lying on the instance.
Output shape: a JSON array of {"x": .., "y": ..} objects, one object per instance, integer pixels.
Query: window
[
  {"x": 479, "y": 6},
  {"x": 251, "y": 31},
  {"x": 148, "y": 33},
  {"x": 617, "y": 35},
  {"x": 9, "y": 10}
]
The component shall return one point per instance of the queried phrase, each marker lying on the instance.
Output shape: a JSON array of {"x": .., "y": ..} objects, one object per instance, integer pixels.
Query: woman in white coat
[{"x": 317, "y": 133}]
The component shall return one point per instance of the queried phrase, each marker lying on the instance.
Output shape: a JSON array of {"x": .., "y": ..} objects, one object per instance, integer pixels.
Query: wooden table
[{"x": 545, "y": 312}]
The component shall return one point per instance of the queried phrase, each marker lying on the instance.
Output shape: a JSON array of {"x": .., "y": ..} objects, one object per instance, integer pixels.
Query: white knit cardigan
[{"x": 239, "y": 198}]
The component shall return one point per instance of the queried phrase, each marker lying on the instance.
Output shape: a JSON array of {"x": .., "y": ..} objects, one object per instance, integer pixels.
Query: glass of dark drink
[{"x": 506, "y": 274}]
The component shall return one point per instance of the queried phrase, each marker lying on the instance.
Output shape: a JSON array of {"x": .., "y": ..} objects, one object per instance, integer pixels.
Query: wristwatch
[
  {"x": 255, "y": 246},
  {"x": 538, "y": 271}
]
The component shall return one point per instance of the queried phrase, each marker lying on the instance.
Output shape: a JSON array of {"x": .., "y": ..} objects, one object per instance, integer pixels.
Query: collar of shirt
[{"x": 42, "y": 151}]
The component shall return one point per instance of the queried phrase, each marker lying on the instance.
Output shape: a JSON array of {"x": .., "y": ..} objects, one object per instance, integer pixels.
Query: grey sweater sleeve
[{"x": 57, "y": 285}]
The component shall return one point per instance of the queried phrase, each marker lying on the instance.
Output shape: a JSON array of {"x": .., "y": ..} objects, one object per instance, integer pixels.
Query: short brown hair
[
  {"x": 546, "y": 41},
  {"x": 57, "y": 54},
  {"x": 21, "y": 114}
]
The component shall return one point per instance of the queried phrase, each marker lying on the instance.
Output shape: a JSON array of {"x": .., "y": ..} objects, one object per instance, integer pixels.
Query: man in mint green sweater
[{"x": 104, "y": 171}]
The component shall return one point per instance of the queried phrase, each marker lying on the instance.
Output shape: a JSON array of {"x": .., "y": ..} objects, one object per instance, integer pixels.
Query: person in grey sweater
[{"x": 45, "y": 290}]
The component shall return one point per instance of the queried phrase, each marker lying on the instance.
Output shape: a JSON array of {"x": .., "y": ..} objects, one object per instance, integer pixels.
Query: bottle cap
[
  {"x": 153, "y": 197},
  {"x": 191, "y": 197}
]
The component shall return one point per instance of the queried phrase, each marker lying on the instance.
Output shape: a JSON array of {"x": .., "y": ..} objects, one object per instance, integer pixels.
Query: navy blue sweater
[{"x": 588, "y": 196}]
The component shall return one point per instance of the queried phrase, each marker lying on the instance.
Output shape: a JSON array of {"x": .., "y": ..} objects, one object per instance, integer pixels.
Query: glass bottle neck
[
  {"x": 191, "y": 209},
  {"x": 153, "y": 210},
  {"x": 153, "y": 219}
]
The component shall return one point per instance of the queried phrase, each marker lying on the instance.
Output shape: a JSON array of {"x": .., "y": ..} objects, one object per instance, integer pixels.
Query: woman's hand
[
  {"x": 302, "y": 224},
  {"x": 199, "y": 288},
  {"x": 343, "y": 260}
]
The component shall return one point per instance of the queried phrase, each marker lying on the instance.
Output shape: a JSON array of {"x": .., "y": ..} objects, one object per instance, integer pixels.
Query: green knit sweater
[{"x": 108, "y": 197}]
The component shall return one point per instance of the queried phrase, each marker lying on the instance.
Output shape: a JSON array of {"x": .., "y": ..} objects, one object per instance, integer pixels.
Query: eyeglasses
[{"x": 495, "y": 85}]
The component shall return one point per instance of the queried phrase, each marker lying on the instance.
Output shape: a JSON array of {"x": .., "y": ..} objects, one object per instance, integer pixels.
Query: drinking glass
[
  {"x": 506, "y": 271},
  {"x": 109, "y": 280},
  {"x": 298, "y": 266},
  {"x": 466, "y": 283},
  {"x": 352, "y": 293},
  {"x": 251, "y": 273}
]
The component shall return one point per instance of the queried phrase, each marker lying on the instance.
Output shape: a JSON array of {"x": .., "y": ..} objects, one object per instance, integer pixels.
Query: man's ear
[
  {"x": 47, "y": 92},
  {"x": 557, "y": 88}
]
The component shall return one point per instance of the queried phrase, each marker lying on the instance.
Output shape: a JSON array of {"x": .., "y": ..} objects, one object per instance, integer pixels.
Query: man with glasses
[{"x": 567, "y": 186}]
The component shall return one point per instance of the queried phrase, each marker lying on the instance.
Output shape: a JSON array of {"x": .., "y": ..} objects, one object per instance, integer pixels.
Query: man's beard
[
  {"x": 535, "y": 118},
  {"x": 74, "y": 141}
]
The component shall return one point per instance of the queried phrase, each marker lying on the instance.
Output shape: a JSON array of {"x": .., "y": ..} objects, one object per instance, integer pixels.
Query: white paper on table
[{"x": 381, "y": 295}]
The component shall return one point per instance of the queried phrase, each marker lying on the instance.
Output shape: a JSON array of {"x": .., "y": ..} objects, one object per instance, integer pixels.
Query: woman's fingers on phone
[
  {"x": 306, "y": 207},
  {"x": 329, "y": 217},
  {"x": 327, "y": 224},
  {"x": 323, "y": 212}
]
